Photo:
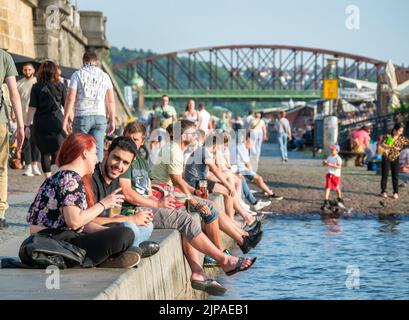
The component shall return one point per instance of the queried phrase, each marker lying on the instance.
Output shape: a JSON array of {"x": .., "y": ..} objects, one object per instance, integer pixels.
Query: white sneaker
[
  {"x": 252, "y": 213},
  {"x": 28, "y": 172},
  {"x": 253, "y": 191},
  {"x": 261, "y": 204},
  {"x": 36, "y": 171}
]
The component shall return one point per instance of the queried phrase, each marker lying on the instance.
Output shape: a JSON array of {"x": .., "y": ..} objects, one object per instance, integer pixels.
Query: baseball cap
[{"x": 334, "y": 147}]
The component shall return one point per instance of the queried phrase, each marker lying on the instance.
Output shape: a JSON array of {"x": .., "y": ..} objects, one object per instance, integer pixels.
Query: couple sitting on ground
[{"x": 69, "y": 206}]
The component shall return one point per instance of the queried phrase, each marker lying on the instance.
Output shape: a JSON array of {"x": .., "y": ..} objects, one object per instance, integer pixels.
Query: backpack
[{"x": 41, "y": 251}]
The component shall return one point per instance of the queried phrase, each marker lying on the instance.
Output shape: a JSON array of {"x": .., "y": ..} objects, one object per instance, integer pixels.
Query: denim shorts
[
  {"x": 206, "y": 218},
  {"x": 248, "y": 174}
]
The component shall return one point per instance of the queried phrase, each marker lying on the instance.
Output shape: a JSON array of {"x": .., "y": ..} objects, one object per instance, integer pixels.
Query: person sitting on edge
[
  {"x": 222, "y": 156},
  {"x": 169, "y": 171},
  {"x": 136, "y": 186},
  {"x": 60, "y": 209},
  {"x": 197, "y": 168},
  {"x": 333, "y": 177},
  {"x": 105, "y": 180},
  {"x": 243, "y": 165}
]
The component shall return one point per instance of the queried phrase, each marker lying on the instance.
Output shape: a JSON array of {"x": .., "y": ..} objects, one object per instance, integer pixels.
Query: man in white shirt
[
  {"x": 91, "y": 98},
  {"x": 31, "y": 154},
  {"x": 282, "y": 126},
  {"x": 205, "y": 117}
]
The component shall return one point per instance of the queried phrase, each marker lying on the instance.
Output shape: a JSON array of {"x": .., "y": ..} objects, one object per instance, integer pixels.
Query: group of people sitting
[{"x": 110, "y": 208}]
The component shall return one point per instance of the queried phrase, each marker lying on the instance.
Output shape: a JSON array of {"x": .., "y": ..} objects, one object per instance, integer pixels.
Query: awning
[{"x": 20, "y": 60}]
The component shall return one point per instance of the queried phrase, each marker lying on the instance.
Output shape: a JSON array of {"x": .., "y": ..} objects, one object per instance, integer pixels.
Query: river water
[{"x": 310, "y": 257}]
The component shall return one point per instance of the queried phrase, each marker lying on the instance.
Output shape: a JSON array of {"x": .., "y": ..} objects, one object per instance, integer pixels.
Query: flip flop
[
  {"x": 238, "y": 266},
  {"x": 208, "y": 287}
]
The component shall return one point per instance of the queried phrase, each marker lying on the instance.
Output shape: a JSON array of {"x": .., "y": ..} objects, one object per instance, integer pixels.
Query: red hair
[{"x": 72, "y": 148}]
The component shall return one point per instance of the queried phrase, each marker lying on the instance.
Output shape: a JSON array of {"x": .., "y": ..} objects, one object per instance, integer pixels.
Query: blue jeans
[
  {"x": 282, "y": 141},
  {"x": 207, "y": 219},
  {"x": 95, "y": 126},
  {"x": 247, "y": 193},
  {"x": 142, "y": 233}
]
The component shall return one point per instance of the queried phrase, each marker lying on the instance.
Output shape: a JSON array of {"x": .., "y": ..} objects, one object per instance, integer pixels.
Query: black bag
[{"x": 41, "y": 251}]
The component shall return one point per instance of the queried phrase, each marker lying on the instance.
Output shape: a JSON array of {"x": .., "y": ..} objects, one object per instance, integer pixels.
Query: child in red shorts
[{"x": 333, "y": 178}]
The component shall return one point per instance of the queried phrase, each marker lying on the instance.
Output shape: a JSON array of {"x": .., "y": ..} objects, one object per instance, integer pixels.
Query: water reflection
[
  {"x": 332, "y": 224},
  {"x": 389, "y": 224}
]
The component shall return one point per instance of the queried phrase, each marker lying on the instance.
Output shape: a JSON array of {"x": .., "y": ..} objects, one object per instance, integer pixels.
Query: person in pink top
[{"x": 362, "y": 140}]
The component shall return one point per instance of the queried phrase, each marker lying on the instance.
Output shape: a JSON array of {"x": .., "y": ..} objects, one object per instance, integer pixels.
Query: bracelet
[{"x": 102, "y": 205}]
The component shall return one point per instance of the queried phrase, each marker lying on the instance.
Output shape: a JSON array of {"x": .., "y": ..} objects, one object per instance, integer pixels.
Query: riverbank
[{"x": 302, "y": 181}]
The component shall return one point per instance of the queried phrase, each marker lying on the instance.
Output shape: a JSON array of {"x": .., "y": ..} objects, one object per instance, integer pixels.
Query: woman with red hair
[{"x": 61, "y": 211}]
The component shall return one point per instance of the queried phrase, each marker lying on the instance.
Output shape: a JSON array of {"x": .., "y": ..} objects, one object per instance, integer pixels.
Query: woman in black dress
[{"x": 46, "y": 102}]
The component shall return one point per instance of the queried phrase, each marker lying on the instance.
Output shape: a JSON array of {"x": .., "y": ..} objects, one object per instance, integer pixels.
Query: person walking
[
  {"x": 31, "y": 153},
  {"x": 45, "y": 111},
  {"x": 90, "y": 94},
  {"x": 8, "y": 74},
  {"x": 204, "y": 118},
  {"x": 258, "y": 134},
  {"x": 392, "y": 145},
  {"x": 282, "y": 126}
]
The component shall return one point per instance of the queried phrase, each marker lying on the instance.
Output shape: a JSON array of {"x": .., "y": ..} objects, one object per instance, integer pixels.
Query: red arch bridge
[{"x": 251, "y": 72}]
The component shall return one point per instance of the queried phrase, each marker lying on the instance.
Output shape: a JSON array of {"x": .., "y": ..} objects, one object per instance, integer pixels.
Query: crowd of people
[{"x": 104, "y": 198}]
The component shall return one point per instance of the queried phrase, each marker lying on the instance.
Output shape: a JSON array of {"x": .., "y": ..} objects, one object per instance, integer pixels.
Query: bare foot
[
  {"x": 384, "y": 195},
  {"x": 395, "y": 196}
]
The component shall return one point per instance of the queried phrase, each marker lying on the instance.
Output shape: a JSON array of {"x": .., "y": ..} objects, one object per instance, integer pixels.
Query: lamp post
[
  {"x": 330, "y": 93},
  {"x": 138, "y": 86}
]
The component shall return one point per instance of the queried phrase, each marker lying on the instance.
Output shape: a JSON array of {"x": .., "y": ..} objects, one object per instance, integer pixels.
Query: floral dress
[{"x": 63, "y": 189}]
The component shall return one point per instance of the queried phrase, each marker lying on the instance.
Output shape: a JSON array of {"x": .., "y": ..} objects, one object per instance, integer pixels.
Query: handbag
[
  {"x": 41, "y": 251},
  {"x": 15, "y": 160}
]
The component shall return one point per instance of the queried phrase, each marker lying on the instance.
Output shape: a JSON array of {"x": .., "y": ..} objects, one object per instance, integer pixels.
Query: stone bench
[{"x": 165, "y": 276}]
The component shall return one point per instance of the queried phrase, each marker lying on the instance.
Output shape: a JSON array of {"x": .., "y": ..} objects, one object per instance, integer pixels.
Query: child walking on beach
[{"x": 333, "y": 177}]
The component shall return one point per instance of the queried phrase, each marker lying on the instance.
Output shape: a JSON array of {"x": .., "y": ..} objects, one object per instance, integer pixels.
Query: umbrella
[
  {"x": 393, "y": 84},
  {"x": 404, "y": 89}
]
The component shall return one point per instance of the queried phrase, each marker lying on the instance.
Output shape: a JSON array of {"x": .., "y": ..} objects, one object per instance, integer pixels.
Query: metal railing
[{"x": 236, "y": 94}]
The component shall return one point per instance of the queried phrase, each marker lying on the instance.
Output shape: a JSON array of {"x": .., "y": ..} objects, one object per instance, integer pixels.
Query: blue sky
[{"x": 170, "y": 25}]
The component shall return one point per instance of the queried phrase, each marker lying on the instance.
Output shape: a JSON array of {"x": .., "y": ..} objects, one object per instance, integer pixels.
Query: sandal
[
  {"x": 395, "y": 196},
  {"x": 384, "y": 195},
  {"x": 208, "y": 287},
  {"x": 238, "y": 266}
]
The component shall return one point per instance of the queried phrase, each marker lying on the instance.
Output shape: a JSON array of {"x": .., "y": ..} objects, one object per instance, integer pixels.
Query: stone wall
[
  {"x": 16, "y": 26},
  {"x": 56, "y": 30}
]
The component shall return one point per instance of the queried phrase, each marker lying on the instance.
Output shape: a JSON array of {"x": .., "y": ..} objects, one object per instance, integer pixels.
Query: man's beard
[{"x": 108, "y": 172}]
